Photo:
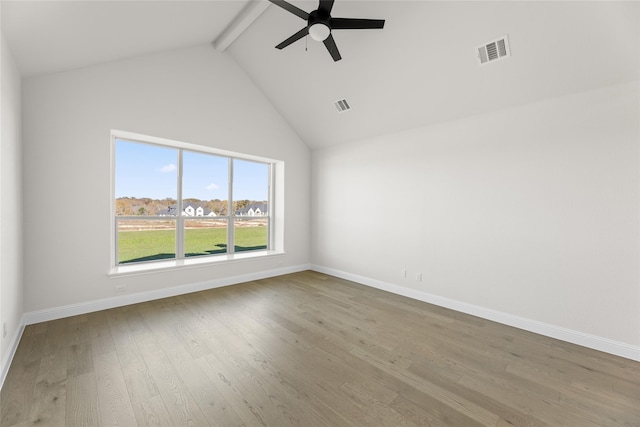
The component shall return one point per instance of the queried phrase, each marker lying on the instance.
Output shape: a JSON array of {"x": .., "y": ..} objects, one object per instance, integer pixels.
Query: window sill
[{"x": 205, "y": 261}]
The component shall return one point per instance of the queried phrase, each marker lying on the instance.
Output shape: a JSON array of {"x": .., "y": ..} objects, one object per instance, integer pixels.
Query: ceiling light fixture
[
  {"x": 320, "y": 25},
  {"x": 319, "y": 32}
]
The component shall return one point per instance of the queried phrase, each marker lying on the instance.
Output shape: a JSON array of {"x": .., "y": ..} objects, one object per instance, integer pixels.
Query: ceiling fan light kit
[
  {"x": 319, "y": 32},
  {"x": 320, "y": 25}
]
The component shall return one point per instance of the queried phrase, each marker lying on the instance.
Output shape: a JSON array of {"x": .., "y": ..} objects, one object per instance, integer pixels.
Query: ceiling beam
[{"x": 250, "y": 13}]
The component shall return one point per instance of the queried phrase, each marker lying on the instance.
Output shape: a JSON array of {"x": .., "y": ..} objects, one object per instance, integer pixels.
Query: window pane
[
  {"x": 250, "y": 188},
  {"x": 251, "y": 234},
  {"x": 205, "y": 237},
  {"x": 146, "y": 179},
  {"x": 146, "y": 240},
  {"x": 205, "y": 184},
  {"x": 149, "y": 218}
]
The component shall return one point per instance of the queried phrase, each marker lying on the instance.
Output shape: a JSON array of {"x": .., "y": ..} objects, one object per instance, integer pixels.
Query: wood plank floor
[{"x": 307, "y": 349}]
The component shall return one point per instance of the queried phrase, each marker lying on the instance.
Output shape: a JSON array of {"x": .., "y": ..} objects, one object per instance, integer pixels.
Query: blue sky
[{"x": 144, "y": 170}]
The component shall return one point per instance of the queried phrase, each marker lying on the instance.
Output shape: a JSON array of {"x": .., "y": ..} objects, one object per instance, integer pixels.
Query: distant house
[
  {"x": 170, "y": 211},
  {"x": 189, "y": 209},
  {"x": 256, "y": 209}
]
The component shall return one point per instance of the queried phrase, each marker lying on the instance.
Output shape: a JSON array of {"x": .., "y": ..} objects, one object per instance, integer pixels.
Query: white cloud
[
  {"x": 168, "y": 168},
  {"x": 212, "y": 187}
]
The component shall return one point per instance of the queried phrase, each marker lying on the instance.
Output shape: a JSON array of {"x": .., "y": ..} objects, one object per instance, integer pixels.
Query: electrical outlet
[
  {"x": 419, "y": 277},
  {"x": 403, "y": 273},
  {"x": 120, "y": 287}
]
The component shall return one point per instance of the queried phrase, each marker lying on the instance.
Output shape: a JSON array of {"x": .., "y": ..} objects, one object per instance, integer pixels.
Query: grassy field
[{"x": 149, "y": 245}]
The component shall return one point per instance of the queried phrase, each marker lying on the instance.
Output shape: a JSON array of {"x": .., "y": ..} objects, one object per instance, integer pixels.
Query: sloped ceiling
[
  {"x": 420, "y": 69},
  {"x": 52, "y": 36}
]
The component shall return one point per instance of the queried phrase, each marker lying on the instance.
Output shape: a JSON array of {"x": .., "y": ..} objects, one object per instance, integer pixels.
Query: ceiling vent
[
  {"x": 493, "y": 50},
  {"x": 342, "y": 105}
]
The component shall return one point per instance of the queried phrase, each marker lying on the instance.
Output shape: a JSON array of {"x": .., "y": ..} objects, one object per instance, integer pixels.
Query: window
[{"x": 183, "y": 201}]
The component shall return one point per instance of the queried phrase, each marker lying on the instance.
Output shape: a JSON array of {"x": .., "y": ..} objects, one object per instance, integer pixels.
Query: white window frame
[{"x": 274, "y": 216}]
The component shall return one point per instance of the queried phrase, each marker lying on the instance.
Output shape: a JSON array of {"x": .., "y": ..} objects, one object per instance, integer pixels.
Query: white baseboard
[
  {"x": 123, "y": 300},
  {"x": 11, "y": 351},
  {"x": 586, "y": 340},
  {"x": 575, "y": 337}
]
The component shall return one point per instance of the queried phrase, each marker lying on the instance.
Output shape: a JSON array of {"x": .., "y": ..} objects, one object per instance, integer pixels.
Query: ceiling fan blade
[
  {"x": 332, "y": 48},
  {"x": 326, "y": 6},
  {"x": 355, "y": 24},
  {"x": 297, "y": 36},
  {"x": 291, "y": 8}
]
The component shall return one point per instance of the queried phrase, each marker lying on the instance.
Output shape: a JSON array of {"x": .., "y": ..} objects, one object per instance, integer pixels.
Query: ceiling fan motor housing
[
  {"x": 319, "y": 17},
  {"x": 319, "y": 25}
]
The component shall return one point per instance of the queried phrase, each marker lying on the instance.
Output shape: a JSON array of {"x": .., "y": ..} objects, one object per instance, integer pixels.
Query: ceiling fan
[{"x": 320, "y": 24}]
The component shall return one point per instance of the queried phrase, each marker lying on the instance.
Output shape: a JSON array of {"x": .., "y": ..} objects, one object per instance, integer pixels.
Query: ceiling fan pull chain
[{"x": 306, "y": 43}]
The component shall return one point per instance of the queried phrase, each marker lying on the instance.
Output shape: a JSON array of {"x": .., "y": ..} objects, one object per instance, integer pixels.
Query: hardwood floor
[{"x": 307, "y": 349}]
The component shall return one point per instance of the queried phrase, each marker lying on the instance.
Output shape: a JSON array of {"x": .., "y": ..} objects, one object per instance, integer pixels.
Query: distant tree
[
  {"x": 219, "y": 207},
  {"x": 121, "y": 207},
  {"x": 240, "y": 204}
]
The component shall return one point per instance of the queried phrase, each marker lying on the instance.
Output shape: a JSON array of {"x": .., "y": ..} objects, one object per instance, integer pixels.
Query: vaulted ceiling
[{"x": 421, "y": 69}]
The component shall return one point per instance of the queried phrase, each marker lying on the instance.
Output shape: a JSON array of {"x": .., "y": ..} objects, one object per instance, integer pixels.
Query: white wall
[
  {"x": 11, "y": 290},
  {"x": 532, "y": 212},
  {"x": 195, "y": 95}
]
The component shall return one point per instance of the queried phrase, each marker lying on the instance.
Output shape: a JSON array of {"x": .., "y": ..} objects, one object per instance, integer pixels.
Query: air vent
[
  {"x": 342, "y": 105},
  {"x": 493, "y": 50}
]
